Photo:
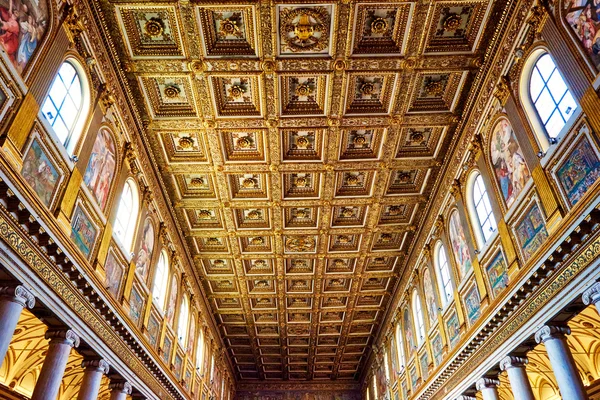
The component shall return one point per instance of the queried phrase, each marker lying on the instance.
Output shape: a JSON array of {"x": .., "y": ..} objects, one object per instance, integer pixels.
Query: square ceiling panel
[
  {"x": 304, "y": 29},
  {"x": 228, "y": 31},
  {"x": 381, "y": 28}
]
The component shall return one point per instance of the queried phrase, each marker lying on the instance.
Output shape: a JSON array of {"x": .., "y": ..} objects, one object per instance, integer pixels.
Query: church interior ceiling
[{"x": 300, "y": 145}]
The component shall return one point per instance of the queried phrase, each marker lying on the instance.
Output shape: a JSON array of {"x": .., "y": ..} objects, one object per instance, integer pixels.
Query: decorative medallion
[
  {"x": 300, "y": 217},
  {"x": 436, "y": 92},
  {"x": 388, "y": 241},
  {"x": 344, "y": 242},
  {"x": 169, "y": 97},
  {"x": 204, "y": 218},
  {"x": 237, "y": 96},
  {"x": 302, "y": 145},
  {"x": 380, "y": 264},
  {"x": 381, "y": 28},
  {"x": 301, "y": 185},
  {"x": 243, "y": 146},
  {"x": 211, "y": 244},
  {"x": 420, "y": 142},
  {"x": 455, "y": 26},
  {"x": 195, "y": 185},
  {"x": 228, "y": 32},
  {"x": 299, "y": 266},
  {"x": 255, "y": 244},
  {"x": 303, "y": 95},
  {"x": 248, "y": 186},
  {"x": 392, "y": 214},
  {"x": 340, "y": 265},
  {"x": 304, "y": 30},
  {"x": 344, "y": 216},
  {"x": 354, "y": 184},
  {"x": 300, "y": 244},
  {"x": 407, "y": 181},
  {"x": 361, "y": 144},
  {"x": 370, "y": 94},
  {"x": 183, "y": 146},
  {"x": 252, "y": 218}
]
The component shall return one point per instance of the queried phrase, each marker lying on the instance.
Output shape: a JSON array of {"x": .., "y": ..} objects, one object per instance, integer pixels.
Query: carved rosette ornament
[
  {"x": 18, "y": 294},
  {"x": 63, "y": 336},
  {"x": 96, "y": 365}
]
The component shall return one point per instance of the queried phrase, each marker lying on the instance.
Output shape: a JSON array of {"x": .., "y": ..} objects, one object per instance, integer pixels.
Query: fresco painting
[
  {"x": 424, "y": 364},
  {"x": 113, "y": 274},
  {"x": 531, "y": 231},
  {"x": 453, "y": 329},
  {"x": 100, "y": 170},
  {"x": 144, "y": 254},
  {"x": 167, "y": 347},
  {"x": 408, "y": 331},
  {"x": 428, "y": 288},
  {"x": 579, "y": 171},
  {"x": 23, "y": 24},
  {"x": 459, "y": 245},
  {"x": 497, "y": 274},
  {"x": 437, "y": 348},
  {"x": 583, "y": 16},
  {"x": 473, "y": 305},
  {"x": 83, "y": 231},
  {"x": 172, "y": 303},
  {"x": 39, "y": 172},
  {"x": 153, "y": 330},
  {"x": 136, "y": 305},
  {"x": 509, "y": 164}
]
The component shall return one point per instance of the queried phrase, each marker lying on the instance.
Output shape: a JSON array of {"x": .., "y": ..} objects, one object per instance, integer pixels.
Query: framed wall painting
[
  {"x": 430, "y": 300},
  {"x": 42, "y": 170},
  {"x": 424, "y": 365},
  {"x": 404, "y": 389},
  {"x": 84, "y": 230},
  {"x": 114, "y": 271},
  {"x": 583, "y": 18},
  {"x": 437, "y": 349},
  {"x": 472, "y": 303},
  {"x": 579, "y": 167},
  {"x": 178, "y": 364},
  {"x": 136, "y": 305},
  {"x": 460, "y": 249},
  {"x": 530, "y": 230},
  {"x": 7, "y": 98},
  {"x": 146, "y": 248},
  {"x": 166, "y": 349},
  {"x": 497, "y": 274},
  {"x": 153, "y": 329},
  {"x": 414, "y": 376},
  {"x": 453, "y": 328},
  {"x": 101, "y": 167}
]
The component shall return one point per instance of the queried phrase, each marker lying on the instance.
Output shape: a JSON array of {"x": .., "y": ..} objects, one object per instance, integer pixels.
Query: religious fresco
[
  {"x": 178, "y": 364},
  {"x": 579, "y": 171},
  {"x": 136, "y": 305},
  {"x": 144, "y": 254},
  {"x": 472, "y": 305},
  {"x": 113, "y": 274},
  {"x": 100, "y": 169},
  {"x": 172, "y": 303},
  {"x": 508, "y": 162},
  {"x": 497, "y": 273},
  {"x": 453, "y": 328},
  {"x": 394, "y": 357},
  {"x": 531, "y": 231},
  {"x": 437, "y": 349},
  {"x": 191, "y": 335},
  {"x": 424, "y": 365},
  {"x": 83, "y": 231},
  {"x": 153, "y": 330},
  {"x": 583, "y": 16},
  {"x": 460, "y": 249},
  {"x": 381, "y": 381},
  {"x": 40, "y": 172},
  {"x": 404, "y": 389},
  {"x": 23, "y": 24},
  {"x": 414, "y": 376},
  {"x": 429, "y": 290},
  {"x": 408, "y": 331},
  {"x": 167, "y": 347}
]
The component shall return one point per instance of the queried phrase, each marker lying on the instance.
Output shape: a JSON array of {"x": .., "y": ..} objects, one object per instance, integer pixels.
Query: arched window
[
  {"x": 481, "y": 209},
  {"x": 444, "y": 279},
  {"x": 127, "y": 214},
  {"x": 67, "y": 104},
  {"x": 418, "y": 317},
  {"x": 161, "y": 280},
  {"x": 184, "y": 316},
  {"x": 386, "y": 361},
  {"x": 400, "y": 346},
  {"x": 550, "y": 95},
  {"x": 200, "y": 352}
]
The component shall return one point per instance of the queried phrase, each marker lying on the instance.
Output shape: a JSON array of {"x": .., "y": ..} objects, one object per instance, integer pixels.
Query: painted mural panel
[
  {"x": 394, "y": 357},
  {"x": 404, "y": 389},
  {"x": 22, "y": 27},
  {"x": 167, "y": 347},
  {"x": 83, "y": 231},
  {"x": 144, "y": 255},
  {"x": 191, "y": 335},
  {"x": 459, "y": 245},
  {"x": 437, "y": 349},
  {"x": 509, "y": 164},
  {"x": 178, "y": 364},
  {"x": 414, "y": 377},
  {"x": 584, "y": 18},
  {"x": 429, "y": 289},
  {"x": 472, "y": 305},
  {"x": 497, "y": 273},
  {"x": 40, "y": 172},
  {"x": 579, "y": 171},
  {"x": 424, "y": 365},
  {"x": 531, "y": 231},
  {"x": 381, "y": 381},
  {"x": 408, "y": 331},
  {"x": 153, "y": 330},
  {"x": 100, "y": 170},
  {"x": 453, "y": 329},
  {"x": 172, "y": 304},
  {"x": 136, "y": 305},
  {"x": 113, "y": 274}
]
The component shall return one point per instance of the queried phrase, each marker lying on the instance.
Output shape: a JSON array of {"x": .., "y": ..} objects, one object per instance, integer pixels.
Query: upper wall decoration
[
  {"x": 509, "y": 164},
  {"x": 584, "y": 18},
  {"x": 23, "y": 24},
  {"x": 100, "y": 170},
  {"x": 459, "y": 245}
]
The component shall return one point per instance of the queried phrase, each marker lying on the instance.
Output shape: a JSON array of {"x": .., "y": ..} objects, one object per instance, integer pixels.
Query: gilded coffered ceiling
[{"x": 299, "y": 144}]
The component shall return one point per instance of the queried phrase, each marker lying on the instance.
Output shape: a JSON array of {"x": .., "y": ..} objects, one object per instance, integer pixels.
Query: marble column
[
  {"x": 517, "y": 376},
  {"x": 488, "y": 388},
  {"x": 12, "y": 301},
  {"x": 53, "y": 369},
  {"x": 92, "y": 377},
  {"x": 592, "y": 296},
  {"x": 119, "y": 390},
  {"x": 562, "y": 362}
]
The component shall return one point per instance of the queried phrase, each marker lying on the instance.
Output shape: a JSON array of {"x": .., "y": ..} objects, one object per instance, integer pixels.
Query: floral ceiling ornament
[
  {"x": 154, "y": 27},
  {"x": 305, "y": 29}
]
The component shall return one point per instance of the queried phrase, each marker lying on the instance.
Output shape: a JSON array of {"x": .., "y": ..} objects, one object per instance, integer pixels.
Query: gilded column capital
[
  {"x": 63, "y": 336},
  {"x": 513, "y": 362},
  {"x": 548, "y": 332},
  {"x": 592, "y": 294},
  {"x": 123, "y": 387},
  {"x": 96, "y": 365},
  {"x": 486, "y": 383},
  {"x": 18, "y": 294}
]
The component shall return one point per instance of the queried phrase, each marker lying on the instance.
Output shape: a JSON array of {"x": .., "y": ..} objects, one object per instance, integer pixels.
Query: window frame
[
  {"x": 130, "y": 225},
  {"x": 480, "y": 237},
  {"x": 164, "y": 279},
  {"x": 72, "y": 142},
  {"x": 544, "y": 140},
  {"x": 183, "y": 323},
  {"x": 399, "y": 347},
  {"x": 200, "y": 351},
  {"x": 447, "y": 297},
  {"x": 417, "y": 310}
]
